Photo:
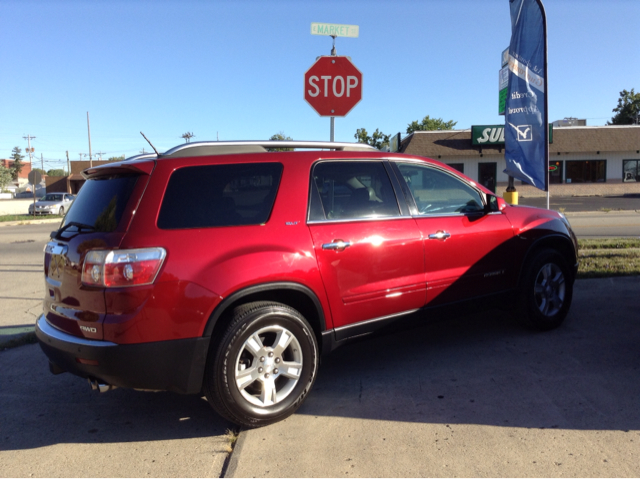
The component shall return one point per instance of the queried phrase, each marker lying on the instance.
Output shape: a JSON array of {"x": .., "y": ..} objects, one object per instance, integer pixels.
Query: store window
[
  {"x": 586, "y": 171},
  {"x": 457, "y": 166},
  {"x": 555, "y": 172},
  {"x": 631, "y": 170}
]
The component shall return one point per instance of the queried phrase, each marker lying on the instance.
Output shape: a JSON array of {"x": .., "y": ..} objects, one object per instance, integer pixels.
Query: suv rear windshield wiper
[{"x": 80, "y": 226}]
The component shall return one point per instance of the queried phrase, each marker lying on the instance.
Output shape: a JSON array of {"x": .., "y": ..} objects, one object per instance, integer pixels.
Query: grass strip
[
  {"x": 603, "y": 258},
  {"x": 5, "y": 218},
  {"x": 609, "y": 243}
]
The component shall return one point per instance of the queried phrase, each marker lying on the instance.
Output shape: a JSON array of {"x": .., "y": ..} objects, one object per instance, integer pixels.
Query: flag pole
[{"x": 545, "y": 120}]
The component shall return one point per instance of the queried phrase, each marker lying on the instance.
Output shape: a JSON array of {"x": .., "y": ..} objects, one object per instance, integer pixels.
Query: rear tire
[
  {"x": 264, "y": 365},
  {"x": 546, "y": 291}
]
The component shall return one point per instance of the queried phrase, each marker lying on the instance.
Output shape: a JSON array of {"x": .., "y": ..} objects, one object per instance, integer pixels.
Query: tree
[
  {"x": 280, "y": 136},
  {"x": 17, "y": 162},
  {"x": 378, "y": 139},
  {"x": 430, "y": 124},
  {"x": 187, "y": 136},
  {"x": 116, "y": 158},
  {"x": 628, "y": 109},
  {"x": 56, "y": 172},
  {"x": 5, "y": 176}
]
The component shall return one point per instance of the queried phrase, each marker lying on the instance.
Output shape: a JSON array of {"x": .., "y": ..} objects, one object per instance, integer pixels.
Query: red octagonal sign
[{"x": 333, "y": 86}]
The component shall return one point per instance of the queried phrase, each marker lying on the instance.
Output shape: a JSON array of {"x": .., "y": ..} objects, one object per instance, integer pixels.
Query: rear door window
[
  {"x": 351, "y": 190},
  {"x": 220, "y": 195}
]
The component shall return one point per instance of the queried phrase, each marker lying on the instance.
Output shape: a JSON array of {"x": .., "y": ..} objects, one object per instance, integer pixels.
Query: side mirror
[{"x": 495, "y": 204}]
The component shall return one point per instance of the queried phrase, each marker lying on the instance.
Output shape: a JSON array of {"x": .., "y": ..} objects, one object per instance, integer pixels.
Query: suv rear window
[
  {"x": 220, "y": 195},
  {"x": 101, "y": 202}
]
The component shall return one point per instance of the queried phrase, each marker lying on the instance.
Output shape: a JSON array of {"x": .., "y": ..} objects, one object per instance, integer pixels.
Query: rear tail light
[{"x": 118, "y": 268}]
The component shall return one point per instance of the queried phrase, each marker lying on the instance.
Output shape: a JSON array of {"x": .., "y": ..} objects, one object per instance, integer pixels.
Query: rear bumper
[{"x": 176, "y": 365}]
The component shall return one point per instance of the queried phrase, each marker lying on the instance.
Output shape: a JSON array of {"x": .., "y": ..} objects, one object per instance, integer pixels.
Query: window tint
[
  {"x": 436, "y": 192},
  {"x": 52, "y": 197},
  {"x": 351, "y": 190},
  {"x": 220, "y": 195},
  {"x": 101, "y": 202}
]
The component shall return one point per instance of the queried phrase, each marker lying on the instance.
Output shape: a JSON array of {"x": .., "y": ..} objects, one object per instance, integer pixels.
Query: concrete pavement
[
  {"x": 474, "y": 397},
  {"x": 470, "y": 396},
  {"x": 55, "y": 426}
]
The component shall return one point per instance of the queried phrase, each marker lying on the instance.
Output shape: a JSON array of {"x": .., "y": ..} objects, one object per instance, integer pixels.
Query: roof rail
[
  {"x": 143, "y": 156},
  {"x": 205, "y": 148}
]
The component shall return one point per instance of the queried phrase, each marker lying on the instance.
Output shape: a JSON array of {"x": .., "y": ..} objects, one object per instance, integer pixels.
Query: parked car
[
  {"x": 40, "y": 192},
  {"x": 52, "y": 204},
  {"x": 278, "y": 258}
]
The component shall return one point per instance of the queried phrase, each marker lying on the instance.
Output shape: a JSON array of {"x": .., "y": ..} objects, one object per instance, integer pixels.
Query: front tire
[
  {"x": 546, "y": 291},
  {"x": 61, "y": 211},
  {"x": 264, "y": 365}
]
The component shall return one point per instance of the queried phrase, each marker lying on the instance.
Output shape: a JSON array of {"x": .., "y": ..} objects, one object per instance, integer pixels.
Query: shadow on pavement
[
  {"x": 40, "y": 409},
  {"x": 486, "y": 369}
]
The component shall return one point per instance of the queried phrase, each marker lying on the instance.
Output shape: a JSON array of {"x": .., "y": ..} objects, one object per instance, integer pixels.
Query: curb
[
  {"x": 10, "y": 341},
  {"x": 31, "y": 222}
]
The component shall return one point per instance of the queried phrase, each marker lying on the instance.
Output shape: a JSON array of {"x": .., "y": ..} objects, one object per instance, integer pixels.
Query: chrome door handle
[
  {"x": 337, "y": 245},
  {"x": 440, "y": 235}
]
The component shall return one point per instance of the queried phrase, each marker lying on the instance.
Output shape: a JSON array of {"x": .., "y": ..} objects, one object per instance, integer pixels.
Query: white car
[{"x": 52, "y": 204}]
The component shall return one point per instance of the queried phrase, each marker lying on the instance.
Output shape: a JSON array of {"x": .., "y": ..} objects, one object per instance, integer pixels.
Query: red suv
[{"x": 227, "y": 268}]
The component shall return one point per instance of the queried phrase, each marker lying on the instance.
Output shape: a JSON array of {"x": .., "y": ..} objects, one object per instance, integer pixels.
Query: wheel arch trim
[
  {"x": 548, "y": 241},
  {"x": 266, "y": 288}
]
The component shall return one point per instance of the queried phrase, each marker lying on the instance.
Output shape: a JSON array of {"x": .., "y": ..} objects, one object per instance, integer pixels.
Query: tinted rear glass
[
  {"x": 220, "y": 195},
  {"x": 101, "y": 202}
]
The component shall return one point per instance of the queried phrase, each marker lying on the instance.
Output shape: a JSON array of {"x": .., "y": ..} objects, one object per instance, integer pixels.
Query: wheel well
[
  {"x": 560, "y": 244},
  {"x": 296, "y": 298}
]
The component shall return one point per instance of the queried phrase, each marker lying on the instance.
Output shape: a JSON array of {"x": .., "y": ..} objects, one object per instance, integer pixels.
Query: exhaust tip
[{"x": 98, "y": 386}]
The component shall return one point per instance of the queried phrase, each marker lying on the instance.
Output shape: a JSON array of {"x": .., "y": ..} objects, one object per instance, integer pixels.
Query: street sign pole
[
  {"x": 334, "y": 30},
  {"x": 332, "y": 122}
]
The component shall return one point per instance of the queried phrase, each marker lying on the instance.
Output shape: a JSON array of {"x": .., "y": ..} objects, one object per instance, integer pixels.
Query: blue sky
[{"x": 234, "y": 70}]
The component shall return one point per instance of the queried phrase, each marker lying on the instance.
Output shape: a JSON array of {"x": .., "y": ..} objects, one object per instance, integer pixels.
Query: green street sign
[
  {"x": 502, "y": 101},
  {"x": 335, "y": 30}
]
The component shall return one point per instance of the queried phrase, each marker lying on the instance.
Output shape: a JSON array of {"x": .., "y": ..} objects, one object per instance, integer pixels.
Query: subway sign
[{"x": 494, "y": 134}]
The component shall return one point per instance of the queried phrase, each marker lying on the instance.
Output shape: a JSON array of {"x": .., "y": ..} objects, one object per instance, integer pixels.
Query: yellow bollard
[{"x": 511, "y": 197}]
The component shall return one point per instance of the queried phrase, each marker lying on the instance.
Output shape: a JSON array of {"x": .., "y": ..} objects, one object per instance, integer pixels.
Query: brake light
[{"x": 118, "y": 268}]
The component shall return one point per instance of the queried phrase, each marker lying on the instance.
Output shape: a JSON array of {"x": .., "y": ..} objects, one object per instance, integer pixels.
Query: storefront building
[{"x": 583, "y": 160}]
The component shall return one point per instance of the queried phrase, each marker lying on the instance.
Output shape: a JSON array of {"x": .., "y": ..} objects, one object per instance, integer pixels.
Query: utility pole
[
  {"x": 100, "y": 153},
  {"x": 68, "y": 174},
  {"x": 42, "y": 161},
  {"x": 89, "y": 131},
  {"x": 29, "y": 149}
]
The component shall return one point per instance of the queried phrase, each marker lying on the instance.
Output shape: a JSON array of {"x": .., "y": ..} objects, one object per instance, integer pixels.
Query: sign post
[
  {"x": 34, "y": 177},
  {"x": 339, "y": 101}
]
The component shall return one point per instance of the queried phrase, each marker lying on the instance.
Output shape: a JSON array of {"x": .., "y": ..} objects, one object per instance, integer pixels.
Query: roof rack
[
  {"x": 143, "y": 156},
  {"x": 206, "y": 148}
]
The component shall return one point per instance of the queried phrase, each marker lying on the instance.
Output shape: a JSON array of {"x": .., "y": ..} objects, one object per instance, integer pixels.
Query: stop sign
[{"x": 333, "y": 86}]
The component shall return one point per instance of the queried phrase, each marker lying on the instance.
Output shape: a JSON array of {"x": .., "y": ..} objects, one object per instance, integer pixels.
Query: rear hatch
[{"x": 97, "y": 220}]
